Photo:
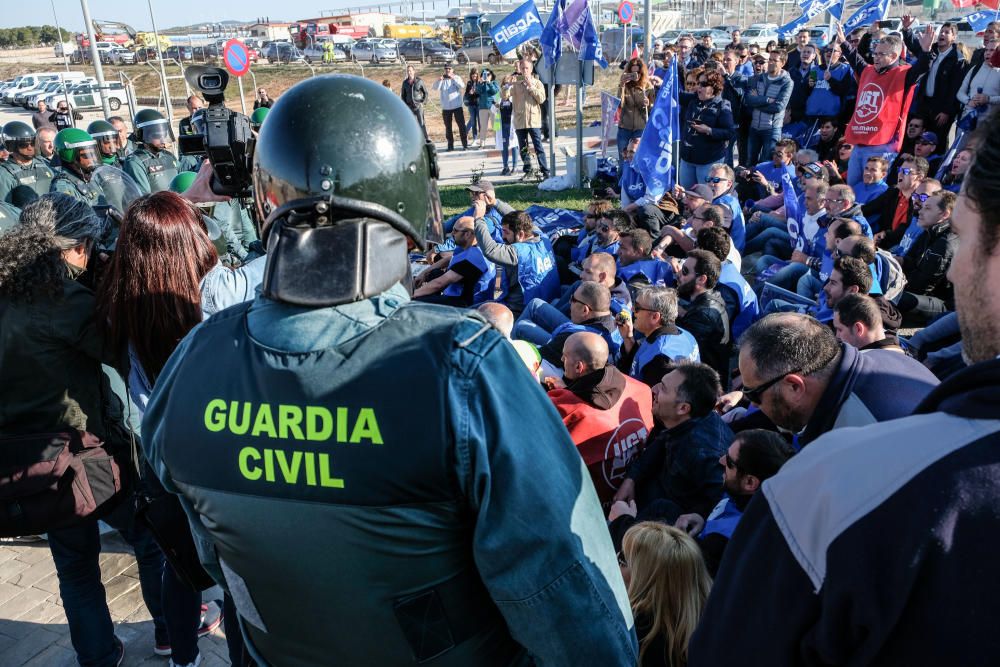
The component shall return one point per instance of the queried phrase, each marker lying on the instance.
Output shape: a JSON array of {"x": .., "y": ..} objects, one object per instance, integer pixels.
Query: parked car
[
  {"x": 719, "y": 37},
  {"x": 759, "y": 36},
  {"x": 670, "y": 36},
  {"x": 375, "y": 51},
  {"x": 614, "y": 41},
  {"x": 179, "y": 53},
  {"x": 284, "y": 52},
  {"x": 425, "y": 50},
  {"x": 121, "y": 56},
  {"x": 819, "y": 36},
  {"x": 314, "y": 53},
  {"x": 482, "y": 49},
  {"x": 86, "y": 97},
  {"x": 30, "y": 101}
]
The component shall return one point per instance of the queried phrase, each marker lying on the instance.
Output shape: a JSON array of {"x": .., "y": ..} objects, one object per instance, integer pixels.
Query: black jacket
[
  {"x": 717, "y": 114},
  {"x": 706, "y": 320},
  {"x": 882, "y": 210},
  {"x": 949, "y": 79},
  {"x": 414, "y": 94},
  {"x": 928, "y": 260}
]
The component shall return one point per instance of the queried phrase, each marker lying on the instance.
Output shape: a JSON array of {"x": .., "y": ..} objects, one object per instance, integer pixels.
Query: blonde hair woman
[{"x": 668, "y": 585}]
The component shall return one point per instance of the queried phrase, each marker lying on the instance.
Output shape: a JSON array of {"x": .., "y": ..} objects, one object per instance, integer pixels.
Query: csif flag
[
  {"x": 868, "y": 13},
  {"x": 592, "y": 49},
  {"x": 551, "y": 37},
  {"x": 793, "y": 212},
  {"x": 979, "y": 20},
  {"x": 518, "y": 27},
  {"x": 655, "y": 158}
]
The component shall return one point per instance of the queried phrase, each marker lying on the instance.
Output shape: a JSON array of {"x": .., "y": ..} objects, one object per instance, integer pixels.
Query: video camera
[{"x": 222, "y": 135}]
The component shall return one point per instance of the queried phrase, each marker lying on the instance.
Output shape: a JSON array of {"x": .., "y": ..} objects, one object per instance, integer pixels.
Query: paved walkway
[{"x": 33, "y": 628}]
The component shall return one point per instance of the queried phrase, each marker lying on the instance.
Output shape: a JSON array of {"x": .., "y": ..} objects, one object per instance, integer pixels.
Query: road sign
[
  {"x": 235, "y": 57},
  {"x": 626, "y": 12}
]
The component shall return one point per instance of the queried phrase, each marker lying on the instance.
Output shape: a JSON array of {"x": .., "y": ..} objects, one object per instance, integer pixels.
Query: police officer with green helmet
[
  {"x": 106, "y": 137},
  {"x": 375, "y": 481},
  {"x": 152, "y": 165},
  {"x": 78, "y": 153},
  {"x": 22, "y": 167},
  {"x": 257, "y": 118}
]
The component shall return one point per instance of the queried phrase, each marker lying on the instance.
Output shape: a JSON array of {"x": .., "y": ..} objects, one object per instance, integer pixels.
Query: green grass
[{"x": 454, "y": 198}]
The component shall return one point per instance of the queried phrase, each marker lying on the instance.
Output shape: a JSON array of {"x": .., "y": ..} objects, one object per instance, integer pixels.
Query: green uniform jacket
[
  {"x": 68, "y": 183},
  {"x": 152, "y": 172},
  {"x": 37, "y": 175}
]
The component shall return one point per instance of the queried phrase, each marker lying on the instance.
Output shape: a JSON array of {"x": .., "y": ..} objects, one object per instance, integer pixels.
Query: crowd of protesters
[{"x": 699, "y": 346}]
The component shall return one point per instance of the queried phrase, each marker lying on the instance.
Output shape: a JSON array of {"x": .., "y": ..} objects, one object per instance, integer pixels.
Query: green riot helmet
[
  {"x": 182, "y": 181},
  {"x": 152, "y": 129},
  {"x": 361, "y": 182},
  {"x": 19, "y": 139},
  {"x": 76, "y": 147},
  {"x": 106, "y": 137},
  {"x": 257, "y": 118}
]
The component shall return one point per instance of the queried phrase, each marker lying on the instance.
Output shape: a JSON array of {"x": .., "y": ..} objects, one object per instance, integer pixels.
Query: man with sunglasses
[
  {"x": 913, "y": 231},
  {"x": 891, "y": 210},
  {"x": 22, "y": 167},
  {"x": 721, "y": 181},
  {"x": 467, "y": 279},
  {"x": 928, "y": 292},
  {"x": 927, "y": 148},
  {"x": 664, "y": 344}
]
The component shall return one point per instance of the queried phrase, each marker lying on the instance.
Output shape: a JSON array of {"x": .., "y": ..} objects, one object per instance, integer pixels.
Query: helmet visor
[
  {"x": 23, "y": 143},
  {"x": 156, "y": 130}
]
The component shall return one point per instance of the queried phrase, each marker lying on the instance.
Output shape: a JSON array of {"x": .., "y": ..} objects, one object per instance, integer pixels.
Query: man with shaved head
[
  {"x": 607, "y": 413},
  {"x": 468, "y": 277}
]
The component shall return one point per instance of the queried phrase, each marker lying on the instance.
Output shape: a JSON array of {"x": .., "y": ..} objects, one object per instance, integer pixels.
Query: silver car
[{"x": 375, "y": 51}]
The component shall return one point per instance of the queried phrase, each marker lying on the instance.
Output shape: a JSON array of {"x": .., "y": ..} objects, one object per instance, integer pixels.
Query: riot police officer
[
  {"x": 78, "y": 153},
  {"x": 152, "y": 165},
  {"x": 344, "y": 533},
  {"x": 106, "y": 137},
  {"x": 22, "y": 167}
]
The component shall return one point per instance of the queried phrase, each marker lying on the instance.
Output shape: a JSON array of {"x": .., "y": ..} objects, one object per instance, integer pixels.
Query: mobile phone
[{"x": 885, "y": 24}]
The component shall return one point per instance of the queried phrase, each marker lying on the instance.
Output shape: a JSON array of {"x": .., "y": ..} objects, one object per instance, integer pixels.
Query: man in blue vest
[
  {"x": 342, "y": 532},
  {"x": 651, "y": 355},
  {"x": 741, "y": 301},
  {"x": 469, "y": 277},
  {"x": 590, "y": 310},
  {"x": 529, "y": 267}
]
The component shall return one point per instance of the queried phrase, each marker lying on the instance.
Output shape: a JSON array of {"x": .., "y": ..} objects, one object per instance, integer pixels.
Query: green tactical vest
[
  {"x": 324, "y": 479},
  {"x": 69, "y": 183},
  {"x": 38, "y": 175},
  {"x": 160, "y": 168}
]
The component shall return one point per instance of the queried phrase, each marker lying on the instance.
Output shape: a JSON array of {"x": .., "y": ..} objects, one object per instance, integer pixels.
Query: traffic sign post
[
  {"x": 237, "y": 61},
  {"x": 626, "y": 12}
]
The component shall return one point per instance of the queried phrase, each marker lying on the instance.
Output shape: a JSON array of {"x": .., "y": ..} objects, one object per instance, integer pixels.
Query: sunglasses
[
  {"x": 636, "y": 308},
  {"x": 573, "y": 299},
  {"x": 754, "y": 394},
  {"x": 807, "y": 175},
  {"x": 604, "y": 228},
  {"x": 685, "y": 271},
  {"x": 905, "y": 171},
  {"x": 715, "y": 180},
  {"x": 916, "y": 196},
  {"x": 846, "y": 147}
]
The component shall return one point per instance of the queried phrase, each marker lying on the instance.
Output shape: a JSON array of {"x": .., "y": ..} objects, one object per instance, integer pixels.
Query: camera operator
[
  {"x": 436, "y": 515},
  {"x": 152, "y": 165}
]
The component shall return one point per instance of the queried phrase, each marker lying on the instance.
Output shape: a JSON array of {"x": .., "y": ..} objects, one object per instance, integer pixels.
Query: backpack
[{"x": 891, "y": 276}]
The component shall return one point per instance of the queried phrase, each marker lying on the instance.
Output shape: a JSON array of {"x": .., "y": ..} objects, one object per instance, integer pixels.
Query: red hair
[{"x": 151, "y": 296}]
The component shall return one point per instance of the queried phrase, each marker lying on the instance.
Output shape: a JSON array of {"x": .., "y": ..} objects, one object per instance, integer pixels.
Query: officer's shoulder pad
[{"x": 470, "y": 330}]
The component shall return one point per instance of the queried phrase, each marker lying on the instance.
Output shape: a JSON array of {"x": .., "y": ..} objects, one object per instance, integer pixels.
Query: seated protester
[
  {"x": 915, "y": 126},
  {"x": 955, "y": 173},
  {"x": 608, "y": 414},
  {"x": 764, "y": 179},
  {"x": 609, "y": 229},
  {"x": 850, "y": 275},
  {"x": 839, "y": 204},
  {"x": 469, "y": 278},
  {"x": 926, "y": 148},
  {"x": 636, "y": 266},
  {"x": 755, "y": 456},
  {"x": 857, "y": 321},
  {"x": 495, "y": 210},
  {"x": 704, "y": 314},
  {"x": 678, "y": 471},
  {"x": 740, "y": 299},
  {"x": 648, "y": 212},
  {"x": 826, "y": 138},
  {"x": 578, "y": 248},
  {"x": 653, "y": 554},
  {"x": 913, "y": 230},
  {"x": 928, "y": 290},
  {"x": 872, "y": 181},
  {"x": 809, "y": 172},
  {"x": 590, "y": 311},
  {"x": 540, "y": 318},
  {"x": 529, "y": 270},
  {"x": 630, "y": 182},
  {"x": 879, "y": 263},
  {"x": 683, "y": 240},
  {"x": 720, "y": 180},
  {"x": 776, "y": 242},
  {"x": 796, "y": 372},
  {"x": 890, "y": 211},
  {"x": 661, "y": 343}
]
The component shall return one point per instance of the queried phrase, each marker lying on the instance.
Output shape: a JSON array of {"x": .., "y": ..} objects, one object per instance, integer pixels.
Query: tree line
[{"x": 32, "y": 35}]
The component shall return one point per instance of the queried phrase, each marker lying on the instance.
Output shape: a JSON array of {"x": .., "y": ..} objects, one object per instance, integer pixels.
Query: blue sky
[{"x": 168, "y": 12}]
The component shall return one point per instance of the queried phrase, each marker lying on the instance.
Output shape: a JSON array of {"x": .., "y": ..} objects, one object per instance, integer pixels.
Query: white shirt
[{"x": 810, "y": 223}]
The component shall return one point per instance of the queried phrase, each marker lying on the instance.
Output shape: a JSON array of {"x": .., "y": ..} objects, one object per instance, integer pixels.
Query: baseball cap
[
  {"x": 928, "y": 138},
  {"x": 701, "y": 191},
  {"x": 814, "y": 168},
  {"x": 481, "y": 186}
]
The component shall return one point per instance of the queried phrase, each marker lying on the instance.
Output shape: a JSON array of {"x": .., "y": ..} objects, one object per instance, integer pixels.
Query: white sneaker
[{"x": 196, "y": 663}]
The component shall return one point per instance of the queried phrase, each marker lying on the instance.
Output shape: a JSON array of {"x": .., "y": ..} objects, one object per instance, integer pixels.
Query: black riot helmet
[
  {"x": 343, "y": 178},
  {"x": 19, "y": 139},
  {"x": 152, "y": 129}
]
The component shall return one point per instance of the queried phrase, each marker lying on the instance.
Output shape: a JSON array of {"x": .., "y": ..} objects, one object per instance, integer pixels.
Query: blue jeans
[
  {"x": 509, "y": 147},
  {"x": 533, "y": 134},
  {"x": 537, "y": 322},
  {"x": 76, "y": 551},
  {"x": 786, "y": 278},
  {"x": 771, "y": 241},
  {"x": 625, "y": 136},
  {"x": 472, "y": 127},
  {"x": 809, "y": 285},
  {"x": 765, "y": 221},
  {"x": 860, "y": 155},
  {"x": 760, "y": 143},
  {"x": 692, "y": 174}
]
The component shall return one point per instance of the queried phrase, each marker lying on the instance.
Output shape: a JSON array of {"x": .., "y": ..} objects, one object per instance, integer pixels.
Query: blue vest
[
  {"x": 910, "y": 236},
  {"x": 611, "y": 248},
  {"x": 822, "y": 100},
  {"x": 723, "y": 519},
  {"x": 677, "y": 347},
  {"x": 612, "y": 338},
  {"x": 484, "y": 286},
  {"x": 749, "y": 308},
  {"x": 738, "y": 231},
  {"x": 536, "y": 270},
  {"x": 865, "y": 193},
  {"x": 584, "y": 240},
  {"x": 773, "y": 174},
  {"x": 657, "y": 272}
]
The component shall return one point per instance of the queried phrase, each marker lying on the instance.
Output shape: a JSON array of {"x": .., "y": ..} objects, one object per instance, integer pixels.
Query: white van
[{"x": 33, "y": 82}]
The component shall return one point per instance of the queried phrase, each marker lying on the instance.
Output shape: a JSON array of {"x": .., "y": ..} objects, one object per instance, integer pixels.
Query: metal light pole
[
  {"x": 647, "y": 23},
  {"x": 163, "y": 71},
  {"x": 62, "y": 47},
  {"x": 96, "y": 59}
]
